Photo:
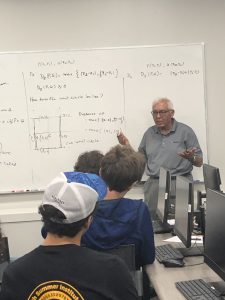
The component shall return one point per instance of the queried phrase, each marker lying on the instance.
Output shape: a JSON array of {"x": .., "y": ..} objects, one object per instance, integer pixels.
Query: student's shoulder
[
  {"x": 21, "y": 263},
  {"x": 135, "y": 203},
  {"x": 142, "y": 208}
]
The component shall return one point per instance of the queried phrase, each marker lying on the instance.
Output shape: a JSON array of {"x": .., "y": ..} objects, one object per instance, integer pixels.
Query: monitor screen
[
  {"x": 211, "y": 177},
  {"x": 163, "y": 195},
  {"x": 214, "y": 232},
  {"x": 184, "y": 209}
]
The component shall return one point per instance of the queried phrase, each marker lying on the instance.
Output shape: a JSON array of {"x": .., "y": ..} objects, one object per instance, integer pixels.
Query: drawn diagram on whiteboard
[{"x": 47, "y": 133}]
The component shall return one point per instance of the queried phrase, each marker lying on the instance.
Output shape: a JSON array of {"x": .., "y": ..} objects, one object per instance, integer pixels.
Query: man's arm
[{"x": 123, "y": 140}]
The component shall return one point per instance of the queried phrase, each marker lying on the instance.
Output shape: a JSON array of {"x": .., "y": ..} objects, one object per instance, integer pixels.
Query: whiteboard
[{"x": 56, "y": 104}]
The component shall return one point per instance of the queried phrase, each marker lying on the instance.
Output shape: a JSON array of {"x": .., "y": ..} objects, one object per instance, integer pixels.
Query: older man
[{"x": 170, "y": 144}]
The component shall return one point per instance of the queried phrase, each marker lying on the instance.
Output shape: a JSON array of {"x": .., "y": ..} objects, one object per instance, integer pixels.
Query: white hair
[{"x": 166, "y": 100}]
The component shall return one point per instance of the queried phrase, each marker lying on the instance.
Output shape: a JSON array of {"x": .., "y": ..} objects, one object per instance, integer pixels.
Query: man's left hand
[{"x": 188, "y": 154}]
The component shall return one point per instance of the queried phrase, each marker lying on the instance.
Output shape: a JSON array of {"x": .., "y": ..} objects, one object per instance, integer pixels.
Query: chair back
[{"x": 127, "y": 254}]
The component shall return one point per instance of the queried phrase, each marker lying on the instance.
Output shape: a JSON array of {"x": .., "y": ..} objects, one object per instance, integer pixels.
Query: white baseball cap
[{"x": 75, "y": 200}]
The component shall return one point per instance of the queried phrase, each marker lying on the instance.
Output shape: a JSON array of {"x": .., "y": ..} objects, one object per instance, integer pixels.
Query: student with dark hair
[
  {"x": 60, "y": 268},
  {"x": 120, "y": 220},
  {"x": 89, "y": 162}
]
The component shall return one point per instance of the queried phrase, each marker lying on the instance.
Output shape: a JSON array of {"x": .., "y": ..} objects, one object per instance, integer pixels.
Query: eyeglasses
[{"x": 160, "y": 112}]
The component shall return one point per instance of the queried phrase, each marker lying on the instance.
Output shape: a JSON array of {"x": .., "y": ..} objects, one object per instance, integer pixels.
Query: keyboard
[
  {"x": 167, "y": 251},
  {"x": 197, "y": 289}
]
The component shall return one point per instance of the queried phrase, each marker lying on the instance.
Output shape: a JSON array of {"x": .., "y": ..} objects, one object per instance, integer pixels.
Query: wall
[
  {"x": 20, "y": 221},
  {"x": 56, "y": 24}
]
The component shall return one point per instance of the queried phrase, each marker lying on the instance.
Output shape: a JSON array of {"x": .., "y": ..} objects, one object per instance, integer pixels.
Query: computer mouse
[{"x": 173, "y": 263}]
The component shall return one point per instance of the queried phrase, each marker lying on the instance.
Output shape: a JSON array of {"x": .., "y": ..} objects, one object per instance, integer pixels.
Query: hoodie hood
[{"x": 114, "y": 221}]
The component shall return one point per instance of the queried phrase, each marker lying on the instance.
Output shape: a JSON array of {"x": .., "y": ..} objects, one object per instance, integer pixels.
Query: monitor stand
[{"x": 192, "y": 251}]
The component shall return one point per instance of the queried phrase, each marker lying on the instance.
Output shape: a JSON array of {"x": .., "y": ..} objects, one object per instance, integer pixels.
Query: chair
[
  {"x": 127, "y": 254},
  {"x": 4, "y": 255}
]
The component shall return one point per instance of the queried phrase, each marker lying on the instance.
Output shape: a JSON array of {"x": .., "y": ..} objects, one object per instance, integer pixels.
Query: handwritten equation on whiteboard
[{"x": 55, "y": 105}]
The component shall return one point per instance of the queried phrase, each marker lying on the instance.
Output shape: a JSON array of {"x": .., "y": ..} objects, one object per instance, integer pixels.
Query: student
[
  {"x": 92, "y": 180},
  {"x": 89, "y": 162},
  {"x": 120, "y": 220},
  {"x": 170, "y": 144},
  {"x": 60, "y": 268}
]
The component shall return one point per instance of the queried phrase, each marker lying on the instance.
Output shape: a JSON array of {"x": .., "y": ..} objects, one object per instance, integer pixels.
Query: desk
[{"x": 163, "y": 279}]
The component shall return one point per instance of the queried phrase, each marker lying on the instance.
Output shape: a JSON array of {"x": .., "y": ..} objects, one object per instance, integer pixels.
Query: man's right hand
[{"x": 123, "y": 140}]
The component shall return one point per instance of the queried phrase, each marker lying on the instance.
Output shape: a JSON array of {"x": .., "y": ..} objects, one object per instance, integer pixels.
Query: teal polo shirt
[{"x": 162, "y": 150}]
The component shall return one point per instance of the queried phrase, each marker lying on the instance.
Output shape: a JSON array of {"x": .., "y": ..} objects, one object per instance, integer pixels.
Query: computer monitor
[
  {"x": 163, "y": 195},
  {"x": 160, "y": 224},
  {"x": 215, "y": 234},
  {"x": 184, "y": 209},
  {"x": 184, "y": 216},
  {"x": 211, "y": 176}
]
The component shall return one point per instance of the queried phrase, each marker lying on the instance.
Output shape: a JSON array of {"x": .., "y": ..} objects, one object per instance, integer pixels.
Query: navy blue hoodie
[{"x": 121, "y": 222}]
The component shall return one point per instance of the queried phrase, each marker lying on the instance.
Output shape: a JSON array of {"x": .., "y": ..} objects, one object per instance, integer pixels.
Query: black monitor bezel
[
  {"x": 165, "y": 216},
  {"x": 190, "y": 215},
  {"x": 212, "y": 264},
  {"x": 216, "y": 175}
]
